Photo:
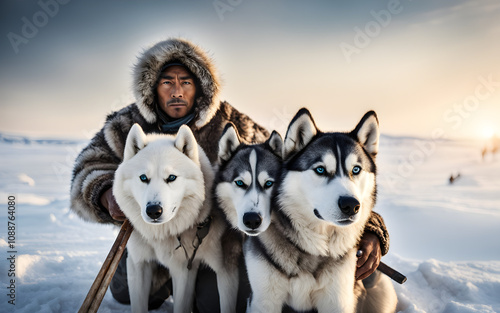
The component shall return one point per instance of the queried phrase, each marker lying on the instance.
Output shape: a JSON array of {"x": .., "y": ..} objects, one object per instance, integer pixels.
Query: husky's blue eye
[
  {"x": 171, "y": 178},
  {"x": 268, "y": 184},
  {"x": 240, "y": 183},
  {"x": 144, "y": 178},
  {"x": 356, "y": 170},
  {"x": 320, "y": 170}
]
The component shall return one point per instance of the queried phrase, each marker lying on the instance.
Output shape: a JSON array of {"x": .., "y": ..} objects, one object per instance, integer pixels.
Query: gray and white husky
[
  {"x": 164, "y": 188},
  {"x": 307, "y": 256}
]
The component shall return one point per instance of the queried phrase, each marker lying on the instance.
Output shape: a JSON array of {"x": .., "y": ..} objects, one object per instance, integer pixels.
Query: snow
[
  {"x": 26, "y": 179},
  {"x": 444, "y": 237}
]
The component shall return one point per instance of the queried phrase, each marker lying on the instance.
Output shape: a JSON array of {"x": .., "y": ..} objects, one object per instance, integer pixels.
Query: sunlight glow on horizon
[{"x": 488, "y": 131}]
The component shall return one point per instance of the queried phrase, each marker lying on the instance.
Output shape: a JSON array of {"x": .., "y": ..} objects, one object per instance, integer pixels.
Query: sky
[{"x": 428, "y": 68}]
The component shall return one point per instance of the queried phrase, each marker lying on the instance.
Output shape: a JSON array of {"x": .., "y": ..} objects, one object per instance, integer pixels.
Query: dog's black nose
[
  {"x": 252, "y": 220},
  {"x": 154, "y": 211},
  {"x": 349, "y": 205}
]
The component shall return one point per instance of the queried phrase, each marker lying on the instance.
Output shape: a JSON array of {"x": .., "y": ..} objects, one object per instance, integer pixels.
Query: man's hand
[
  {"x": 109, "y": 202},
  {"x": 370, "y": 256}
]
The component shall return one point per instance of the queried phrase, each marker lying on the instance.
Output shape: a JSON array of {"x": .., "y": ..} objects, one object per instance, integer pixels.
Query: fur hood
[{"x": 147, "y": 71}]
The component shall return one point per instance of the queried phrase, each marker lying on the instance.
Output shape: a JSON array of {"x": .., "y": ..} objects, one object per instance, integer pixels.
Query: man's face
[{"x": 176, "y": 91}]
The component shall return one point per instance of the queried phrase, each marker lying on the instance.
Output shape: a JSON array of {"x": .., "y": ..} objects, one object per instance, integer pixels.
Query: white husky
[
  {"x": 163, "y": 187},
  {"x": 307, "y": 257}
]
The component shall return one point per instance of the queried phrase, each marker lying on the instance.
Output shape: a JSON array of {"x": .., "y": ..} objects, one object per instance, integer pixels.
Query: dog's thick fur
[
  {"x": 163, "y": 186},
  {"x": 307, "y": 257}
]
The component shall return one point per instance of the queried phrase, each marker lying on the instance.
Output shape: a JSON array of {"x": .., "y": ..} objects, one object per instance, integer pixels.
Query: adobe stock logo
[
  {"x": 30, "y": 28},
  {"x": 221, "y": 7}
]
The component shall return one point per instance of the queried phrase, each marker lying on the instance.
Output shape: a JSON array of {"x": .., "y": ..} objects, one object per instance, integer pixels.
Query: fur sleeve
[
  {"x": 95, "y": 167},
  {"x": 376, "y": 225}
]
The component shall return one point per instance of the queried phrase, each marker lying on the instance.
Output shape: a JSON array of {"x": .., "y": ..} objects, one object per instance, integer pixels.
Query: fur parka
[{"x": 95, "y": 166}]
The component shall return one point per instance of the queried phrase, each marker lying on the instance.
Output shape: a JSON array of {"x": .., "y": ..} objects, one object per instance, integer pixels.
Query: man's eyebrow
[{"x": 171, "y": 77}]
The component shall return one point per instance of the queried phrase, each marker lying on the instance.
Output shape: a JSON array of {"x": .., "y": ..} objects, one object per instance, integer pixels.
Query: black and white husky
[
  {"x": 307, "y": 256},
  {"x": 247, "y": 179}
]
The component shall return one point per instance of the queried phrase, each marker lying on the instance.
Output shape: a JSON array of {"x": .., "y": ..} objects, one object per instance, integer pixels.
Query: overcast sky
[{"x": 423, "y": 66}]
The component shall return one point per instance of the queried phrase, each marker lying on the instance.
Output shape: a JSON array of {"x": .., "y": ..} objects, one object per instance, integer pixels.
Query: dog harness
[{"x": 201, "y": 232}]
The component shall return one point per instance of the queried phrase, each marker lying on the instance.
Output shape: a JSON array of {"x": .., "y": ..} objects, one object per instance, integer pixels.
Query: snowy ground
[{"x": 444, "y": 237}]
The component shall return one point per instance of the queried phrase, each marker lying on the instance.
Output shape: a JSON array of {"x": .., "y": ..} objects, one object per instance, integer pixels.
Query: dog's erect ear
[
  {"x": 136, "y": 140},
  {"x": 186, "y": 143},
  {"x": 300, "y": 132},
  {"x": 228, "y": 142},
  {"x": 276, "y": 144},
  {"x": 367, "y": 132}
]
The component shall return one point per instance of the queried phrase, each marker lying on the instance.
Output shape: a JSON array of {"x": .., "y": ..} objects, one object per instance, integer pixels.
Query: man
[{"x": 175, "y": 83}]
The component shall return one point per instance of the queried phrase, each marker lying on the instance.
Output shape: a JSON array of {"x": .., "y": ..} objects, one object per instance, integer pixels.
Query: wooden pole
[{"x": 108, "y": 269}]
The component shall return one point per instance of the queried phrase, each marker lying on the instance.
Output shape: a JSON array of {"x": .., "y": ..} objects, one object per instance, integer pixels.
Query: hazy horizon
[{"x": 426, "y": 68}]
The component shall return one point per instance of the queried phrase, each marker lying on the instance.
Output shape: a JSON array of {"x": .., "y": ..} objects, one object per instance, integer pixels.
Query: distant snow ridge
[{"x": 16, "y": 139}]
